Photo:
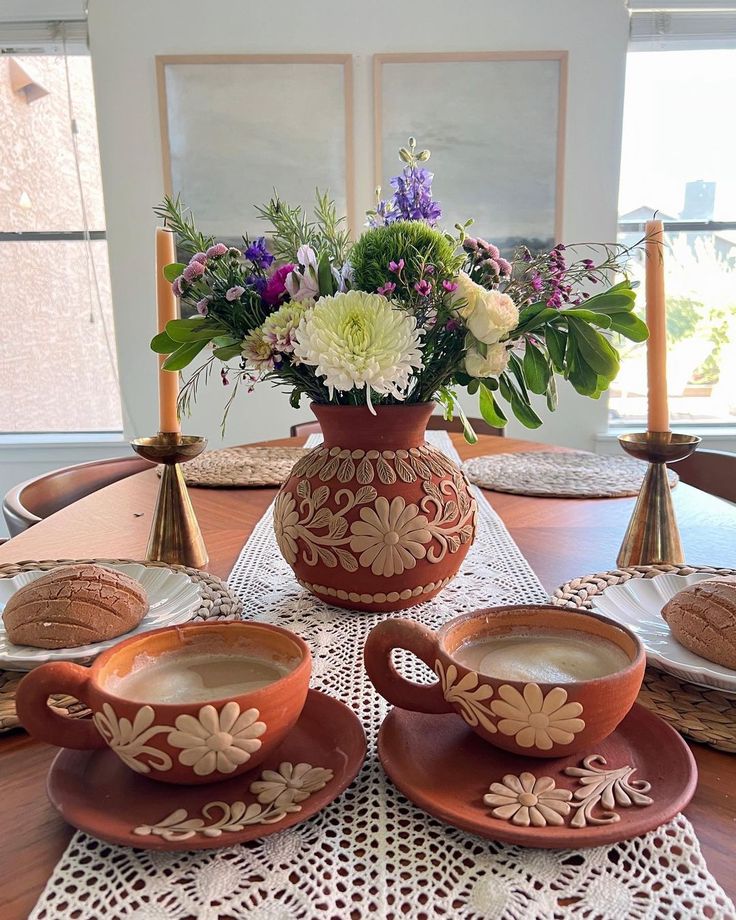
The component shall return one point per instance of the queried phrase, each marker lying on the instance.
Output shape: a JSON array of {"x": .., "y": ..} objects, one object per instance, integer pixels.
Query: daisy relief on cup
[
  {"x": 214, "y": 741},
  {"x": 535, "y": 719}
]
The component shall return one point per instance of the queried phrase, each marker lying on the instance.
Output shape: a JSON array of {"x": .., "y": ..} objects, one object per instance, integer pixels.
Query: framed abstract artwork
[
  {"x": 224, "y": 141},
  {"x": 495, "y": 124}
]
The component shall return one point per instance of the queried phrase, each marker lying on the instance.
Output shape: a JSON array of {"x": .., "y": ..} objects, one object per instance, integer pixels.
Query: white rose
[
  {"x": 488, "y": 315},
  {"x": 494, "y": 362}
]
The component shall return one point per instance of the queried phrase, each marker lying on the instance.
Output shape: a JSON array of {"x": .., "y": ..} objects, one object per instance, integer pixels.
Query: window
[
  {"x": 58, "y": 368},
  {"x": 677, "y": 159}
]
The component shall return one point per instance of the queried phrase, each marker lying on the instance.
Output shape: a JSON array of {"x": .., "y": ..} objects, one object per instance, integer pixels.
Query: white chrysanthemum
[
  {"x": 357, "y": 340},
  {"x": 488, "y": 315},
  {"x": 258, "y": 352}
]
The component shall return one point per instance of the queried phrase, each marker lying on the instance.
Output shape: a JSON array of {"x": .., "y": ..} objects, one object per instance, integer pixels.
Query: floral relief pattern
[
  {"x": 129, "y": 739},
  {"x": 217, "y": 741},
  {"x": 470, "y": 697},
  {"x": 527, "y": 799},
  {"x": 609, "y": 788},
  {"x": 535, "y": 719},
  {"x": 389, "y": 536},
  {"x": 278, "y": 792}
]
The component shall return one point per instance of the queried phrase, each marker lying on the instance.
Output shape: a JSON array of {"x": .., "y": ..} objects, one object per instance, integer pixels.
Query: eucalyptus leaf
[
  {"x": 556, "y": 341},
  {"x": 226, "y": 352},
  {"x": 536, "y": 369},
  {"x": 630, "y": 326},
  {"x": 524, "y": 412},
  {"x": 173, "y": 270},
  {"x": 490, "y": 410},
  {"x": 589, "y": 316},
  {"x": 594, "y": 348},
  {"x": 183, "y": 355},
  {"x": 517, "y": 370}
]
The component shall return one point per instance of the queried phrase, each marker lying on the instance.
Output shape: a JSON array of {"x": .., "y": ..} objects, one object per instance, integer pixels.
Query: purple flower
[
  {"x": 452, "y": 325},
  {"x": 396, "y": 267},
  {"x": 224, "y": 377},
  {"x": 258, "y": 253},
  {"x": 504, "y": 266},
  {"x": 203, "y": 306},
  {"x": 388, "y": 288},
  {"x": 234, "y": 293},
  {"x": 588, "y": 263},
  {"x": 412, "y": 199},
  {"x": 216, "y": 251},
  {"x": 275, "y": 289},
  {"x": 490, "y": 265},
  {"x": 429, "y": 269},
  {"x": 178, "y": 286},
  {"x": 536, "y": 282},
  {"x": 423, "y": 288},
  {"x": 199, "y": 257},
  {"x": 470, "y": 244},
  {"x": 257, "y": 282},
  {"x": 449, "y": 286},
  {"x": 193, "y": 271}
]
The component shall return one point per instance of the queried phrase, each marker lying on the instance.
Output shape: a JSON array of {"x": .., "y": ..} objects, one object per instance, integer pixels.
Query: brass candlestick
[
  {"x": 652, "y": 536},
  {"x": 175, "y": 535}
]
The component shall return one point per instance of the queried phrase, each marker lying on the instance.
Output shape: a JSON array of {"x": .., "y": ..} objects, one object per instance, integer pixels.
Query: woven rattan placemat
[
  {"x": 241, "y": 467},
  {"x": 559, "y": 474},
  {"x": 216, "y": 602},
  {"x": 704, "y": 715}
]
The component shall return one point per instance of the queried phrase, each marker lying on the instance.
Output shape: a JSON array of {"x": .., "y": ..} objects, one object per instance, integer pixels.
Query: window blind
[
  {"x": 44, "y": 37},
  {"x": 682, "y": 24}
]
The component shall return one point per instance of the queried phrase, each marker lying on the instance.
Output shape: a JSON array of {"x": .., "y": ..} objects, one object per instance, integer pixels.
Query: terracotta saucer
[
  {"x": 95, "y": 792},
  {"x": 445, "y": 769}
]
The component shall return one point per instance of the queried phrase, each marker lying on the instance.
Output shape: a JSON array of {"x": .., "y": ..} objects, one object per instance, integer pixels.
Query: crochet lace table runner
[{"x": 372, "y": 854}]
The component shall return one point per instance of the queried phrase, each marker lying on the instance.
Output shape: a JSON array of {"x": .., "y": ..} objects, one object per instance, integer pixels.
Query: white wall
[{"x": 126, "y": 37}]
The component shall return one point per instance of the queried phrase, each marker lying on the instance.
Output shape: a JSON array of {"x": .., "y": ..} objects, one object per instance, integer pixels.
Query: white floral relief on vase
[
  {"x": 528, "y": 800},
  {"x": 388, "y": 537},
  {"x": 609, "y": 788},
  {"x": 129, "y": 740},
  {"x": 467, "y": 694},
  {"x": 535, "y": 719},
  {"x": 217, "y": 741},
  {"x": 279, "y": 793}
]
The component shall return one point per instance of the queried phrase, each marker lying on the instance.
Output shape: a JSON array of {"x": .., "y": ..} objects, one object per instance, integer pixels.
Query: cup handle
[
  {"x": 406, "y": 694},
  {"x": 41, "y": 721}
]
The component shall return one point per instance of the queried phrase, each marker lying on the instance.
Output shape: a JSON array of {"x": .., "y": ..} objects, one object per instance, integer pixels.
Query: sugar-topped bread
[
  {"x": 74, "y": 605},
  {"x": 702, "y": 617}
]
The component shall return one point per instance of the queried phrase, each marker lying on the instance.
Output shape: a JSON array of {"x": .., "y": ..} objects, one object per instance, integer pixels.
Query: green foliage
[
  {"x": 415, "y": 242},
  {"x": 327, "y": 234},
  {"x": 181, "y": 221}
]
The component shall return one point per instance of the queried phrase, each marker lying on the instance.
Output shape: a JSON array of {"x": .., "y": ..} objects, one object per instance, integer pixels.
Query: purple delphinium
[
  {"x": 411, "y": 200},
  {"x": 257, "y": 282},
  {"x": 257, "y": 252}
]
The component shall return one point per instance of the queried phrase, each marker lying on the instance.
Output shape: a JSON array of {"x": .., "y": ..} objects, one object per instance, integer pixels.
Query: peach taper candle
[
  {"x": 168, "y": 381},
  {"x": 658, "y": 414}
]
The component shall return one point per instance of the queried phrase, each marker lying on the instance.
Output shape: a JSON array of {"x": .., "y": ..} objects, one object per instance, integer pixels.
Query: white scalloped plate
[
  {"x": 172, "y": 596},
  {"x": 638, "y": 604}
]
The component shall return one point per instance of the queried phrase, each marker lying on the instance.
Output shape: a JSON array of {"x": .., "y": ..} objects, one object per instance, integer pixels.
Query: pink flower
[
  {"x": 429, "y": 269},
  {"x": 396, "y": 266},
  {"x": 203, "y": 306},
  {"x": 178, "y": 286},
  {"x": 489, "y": 248},
  {"x": 234, "y": 293},
  {"x": 504, "y": 266},
  {"x": 275, "y": 289},
  {"x": 388, "y": 288},
  {"x": 224, "y": 377},
  {"x": 199, "y": 257},
  {"x": 449, "y": 286},
  {"x": 423, "y": 288},
  {"x": 216, "y": 251},
  {"x": 193, "y": 271}
]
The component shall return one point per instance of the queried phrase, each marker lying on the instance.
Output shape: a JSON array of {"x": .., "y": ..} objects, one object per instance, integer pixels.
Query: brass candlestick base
[
  {"x": 175, "y": 534},
  {"x": 652, "y": 536}
]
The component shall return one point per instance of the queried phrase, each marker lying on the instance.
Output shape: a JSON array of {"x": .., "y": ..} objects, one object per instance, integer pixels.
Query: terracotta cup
[
  {"x": 174, "y": 742},
  {"x": 533, "y": 719}
]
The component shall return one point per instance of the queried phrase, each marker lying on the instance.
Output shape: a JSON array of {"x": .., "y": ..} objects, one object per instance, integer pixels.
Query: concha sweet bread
[
  {"x": 702, "y": 617},
  {"x": 74, "y": 605}
]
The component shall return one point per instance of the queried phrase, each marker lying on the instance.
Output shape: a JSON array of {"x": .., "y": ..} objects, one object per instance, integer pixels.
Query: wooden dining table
[{"x": 561, "y": 539}]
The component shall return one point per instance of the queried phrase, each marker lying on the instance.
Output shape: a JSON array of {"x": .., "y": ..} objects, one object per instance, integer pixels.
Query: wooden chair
[
  {"x": 710, "y": 470},
  {"x": 436, "y": 423},
  {"x": 32, "y": 501}
]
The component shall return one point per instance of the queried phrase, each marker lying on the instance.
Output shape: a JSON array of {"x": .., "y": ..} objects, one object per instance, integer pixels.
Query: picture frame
[
  {"x": 225, "y": 148},
  {"x": 506, "y": 170}
]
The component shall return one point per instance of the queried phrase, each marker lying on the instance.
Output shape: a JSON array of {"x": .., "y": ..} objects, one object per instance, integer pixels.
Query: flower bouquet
[{"x": 373, "y": 333}]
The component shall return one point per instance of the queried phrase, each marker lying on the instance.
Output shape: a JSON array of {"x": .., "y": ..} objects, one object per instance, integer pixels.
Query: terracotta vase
[{"x": 375, "y": 519}]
